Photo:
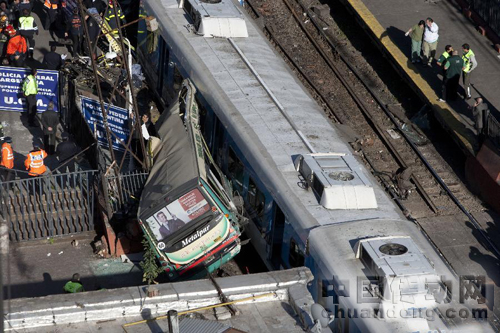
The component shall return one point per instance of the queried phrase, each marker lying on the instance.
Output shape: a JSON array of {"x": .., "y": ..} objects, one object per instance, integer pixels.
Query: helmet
[
  {"x": 3, "y": 19},
  {"x": 11, "y": 31}
]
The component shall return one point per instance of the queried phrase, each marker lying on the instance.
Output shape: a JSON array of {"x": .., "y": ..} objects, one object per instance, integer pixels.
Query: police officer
[
  {"x": 27, "y": 28},
  {"x": 111, "y": 18},
  {"x": 470, "y": 63},
  {"x": 7, "y": 160},
  {"x": 34, "y": 161},
  {"x": 65, "y": 151},
  {"x": 50, "y": 120},
  {"x": 74, "y": 286},
  {"x": 30, "y": 90}
]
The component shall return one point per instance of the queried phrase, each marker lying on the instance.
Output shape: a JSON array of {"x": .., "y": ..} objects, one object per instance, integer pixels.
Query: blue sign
[
  {"x": 11, "y": 92},
  {"x": 117, "y": 122}
]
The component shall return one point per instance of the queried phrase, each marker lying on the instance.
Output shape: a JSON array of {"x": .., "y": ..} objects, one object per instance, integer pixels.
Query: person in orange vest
[
  {"x": 7, "y": 162},
  {"x": 16, "y": 49},
  {"x": 34, "y": 161},
  {"x": 53, "y": 8}
]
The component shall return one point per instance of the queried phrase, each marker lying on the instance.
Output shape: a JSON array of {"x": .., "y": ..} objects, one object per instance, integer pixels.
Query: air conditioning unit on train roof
[
  {"x": 335, "y": 182},
  {"x": 393, "y": 257},
  {"x": 216, "y": 18}
]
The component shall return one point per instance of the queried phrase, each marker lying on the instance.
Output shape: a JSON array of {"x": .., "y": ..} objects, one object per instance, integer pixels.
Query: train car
[
  {"x": 310, "y": 200},
  {"x": 186, "y": 209}
]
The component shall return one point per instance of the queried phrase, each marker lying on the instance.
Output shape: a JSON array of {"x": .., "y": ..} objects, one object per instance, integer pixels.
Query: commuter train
[{"x": 309, "y": 200}]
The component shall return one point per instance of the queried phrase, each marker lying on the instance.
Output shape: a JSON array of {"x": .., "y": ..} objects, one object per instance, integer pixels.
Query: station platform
[{"x": 387, "y": 22}]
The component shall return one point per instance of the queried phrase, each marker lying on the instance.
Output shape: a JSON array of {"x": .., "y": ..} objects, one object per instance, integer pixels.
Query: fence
[
  {"x": 124, "y": 191},
  {"x": 493, "y": 130},
  {"x": 489, "y": 10},
  {"x": 48, "y": 206}
]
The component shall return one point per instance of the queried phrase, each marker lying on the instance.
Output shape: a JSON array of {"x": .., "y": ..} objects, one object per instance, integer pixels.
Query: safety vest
[
  {"x": 27, "y": 23},
  {"x": 51, "y": 5},
  {"x": 7, "y": 156},
  {"x": 73, "y": 287},
  {"x": 467, "y": 63},
  {"x": 34, "y": 163},
  {"x": 30, "y": 86}
]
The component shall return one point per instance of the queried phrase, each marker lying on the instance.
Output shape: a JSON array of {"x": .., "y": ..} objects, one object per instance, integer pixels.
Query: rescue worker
[
  {"x": 4, "y": 35},
  {"x": 111, "y": 18},
  {"x": 74, "y": 286},
  {"x": 448, "y": 50},
  {"x": 16, "y": 49},
  {"x": 27, "y": 28},
  {"x": 454, "y": 67},
  {"x": 66, "y": 150},
  {"x": 7, "y": 160},
  {"x": 34, "y": 161},
  {"x": 52, "y": 7},
  {"x": 30, "y": 90},
  {"x": 75, "y": 28},
  {"x": 470, "y": 63},
  {"x": 50, "y": 120}
]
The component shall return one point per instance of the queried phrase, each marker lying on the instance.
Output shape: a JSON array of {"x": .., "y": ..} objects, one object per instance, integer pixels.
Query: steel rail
[{"x": 443, "y": 185}]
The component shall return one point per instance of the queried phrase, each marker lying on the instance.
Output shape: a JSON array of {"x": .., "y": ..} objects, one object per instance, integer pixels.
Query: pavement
[
  {"x": 41, "y": 268},
  {"x": 454, "y": 29}
]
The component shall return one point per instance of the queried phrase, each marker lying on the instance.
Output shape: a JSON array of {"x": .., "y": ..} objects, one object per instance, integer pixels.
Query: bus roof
[{"x": 176, "y": 168}]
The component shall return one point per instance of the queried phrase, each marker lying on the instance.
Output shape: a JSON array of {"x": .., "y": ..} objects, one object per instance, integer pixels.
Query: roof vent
[
  {"x": 393, "y": 256},
  {"x": 334, "y": 181},
  {"x": 216, "y": 18}
]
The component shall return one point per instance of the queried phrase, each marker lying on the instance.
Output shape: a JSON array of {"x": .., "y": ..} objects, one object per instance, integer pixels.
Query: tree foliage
[{"x": 149, "y": 265}]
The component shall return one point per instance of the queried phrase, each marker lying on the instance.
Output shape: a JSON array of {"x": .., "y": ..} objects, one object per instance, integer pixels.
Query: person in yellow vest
[
  {"x": 443, "y": 59},
  {"x": 470, "y": 63},
  {"x": 7, "y": 162},
  {"x": 28, "y": 28},
  {"x": 30, "y": 90},
  {"x": 34, "y": 161}
]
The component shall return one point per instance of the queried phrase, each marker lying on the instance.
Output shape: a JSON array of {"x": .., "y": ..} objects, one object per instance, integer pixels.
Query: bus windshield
[{"x": 178, "y": 213}]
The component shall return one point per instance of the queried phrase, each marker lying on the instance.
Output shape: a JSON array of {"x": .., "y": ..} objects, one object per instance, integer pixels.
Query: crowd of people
[
  {"x": 18, "y": 29},
  {"x": 424, "y": 42}
]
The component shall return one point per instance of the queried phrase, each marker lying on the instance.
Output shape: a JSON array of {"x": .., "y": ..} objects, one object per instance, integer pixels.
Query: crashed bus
[{"x": 186, "y": 209}]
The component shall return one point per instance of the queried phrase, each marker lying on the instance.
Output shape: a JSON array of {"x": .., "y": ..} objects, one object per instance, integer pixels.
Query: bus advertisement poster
[
  {"x": 11, "y": 93},
  {"x": 117, "y": 122}
]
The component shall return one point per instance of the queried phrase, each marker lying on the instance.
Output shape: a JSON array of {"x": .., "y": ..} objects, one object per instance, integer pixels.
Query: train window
[
  {"x": 256, "y": 200},
  {"x": 235, "y": 169},
  {"x": 296, "y": 256},
  {"x": 177, "y": 80}
]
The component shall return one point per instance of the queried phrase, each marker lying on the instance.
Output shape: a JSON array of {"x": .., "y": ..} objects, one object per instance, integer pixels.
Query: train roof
[
  {"x": 347, "y": 268},
  {"x": 226, "y": 72}
]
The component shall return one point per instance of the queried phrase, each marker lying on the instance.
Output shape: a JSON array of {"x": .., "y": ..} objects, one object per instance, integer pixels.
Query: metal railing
[
  {"x": 48, "y": 206},
  {"x": 489, "y": 11},
  {"x": 493, "y": 129},
  {"x": 124, "y": 191}
]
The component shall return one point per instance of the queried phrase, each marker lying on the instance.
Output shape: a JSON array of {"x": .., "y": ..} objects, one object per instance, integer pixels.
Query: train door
[
  {"x": 293, "y": 249},
  {"x": 278, "y": 228}
]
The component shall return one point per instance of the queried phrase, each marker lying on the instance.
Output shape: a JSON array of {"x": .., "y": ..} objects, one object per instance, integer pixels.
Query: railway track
[{"x": 410, "y": 168}]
